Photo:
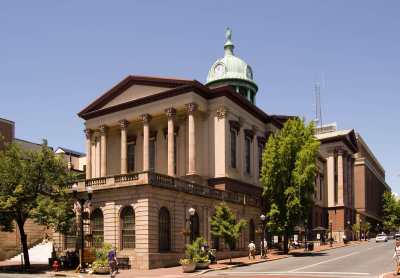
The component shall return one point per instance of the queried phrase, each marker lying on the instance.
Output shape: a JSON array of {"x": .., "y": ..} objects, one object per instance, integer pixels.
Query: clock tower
[{"x": 233, "y": 71}]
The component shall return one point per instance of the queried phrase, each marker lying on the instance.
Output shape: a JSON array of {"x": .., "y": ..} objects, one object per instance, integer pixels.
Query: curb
[{"x": 267, "y": 260}]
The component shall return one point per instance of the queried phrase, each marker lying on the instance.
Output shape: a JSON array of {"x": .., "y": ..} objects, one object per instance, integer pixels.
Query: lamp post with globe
[
  {"x": 81, "y": 202},
  {"x": 262, "y": 218},
  {"x": 191, "y": 211}
]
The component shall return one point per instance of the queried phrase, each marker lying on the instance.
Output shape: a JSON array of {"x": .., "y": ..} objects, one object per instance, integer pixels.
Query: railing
[
  {"x": 168, "y": 182},
  {"x": 94, "y": 182},
  {"x": 124, "y": 178}
]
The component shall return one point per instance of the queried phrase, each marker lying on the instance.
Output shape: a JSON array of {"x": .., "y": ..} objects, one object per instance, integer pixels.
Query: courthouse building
[{"x": 156, "y": 147}]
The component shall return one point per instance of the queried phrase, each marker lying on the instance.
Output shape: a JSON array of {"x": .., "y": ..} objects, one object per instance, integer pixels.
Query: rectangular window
[
  {"x": 260, "y": 152},
  {"x": 320, "y": 187},
  {"x": 70, "y": 239},
  {"x": 247, "y": 155},
  {"x": 316, "y": 186},
  {"x": 175, "y": 151},
  {"x": 152, "y": 154},
  {"x": 233, "y": 149},
  {"x": 131, "y": 157}
]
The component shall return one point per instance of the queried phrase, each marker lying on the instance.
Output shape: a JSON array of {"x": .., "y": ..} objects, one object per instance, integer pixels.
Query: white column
[
  {"x": 124, "y": 163},
  {"x": 192, "y": 108},
  {"x": 349, "y": 180},
  {"x": 170, "y": 116},
  {"x": 89, "y": 134},
  {"x": 340, "y": 175},
  {"x": 345, "y": 179},
  {"x": 103, "y": 134},
  {"x": 331, "y": 178},
  {"x": 146, "y": 118}
]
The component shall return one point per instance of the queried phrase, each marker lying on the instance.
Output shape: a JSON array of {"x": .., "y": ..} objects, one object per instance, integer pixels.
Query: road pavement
[{"x": 363, "y": 260}]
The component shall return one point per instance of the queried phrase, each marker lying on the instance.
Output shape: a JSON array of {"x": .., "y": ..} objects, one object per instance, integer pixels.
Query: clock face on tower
[
  {"x": 249, "y": 73},
  {"x": 219, "y": 69}
]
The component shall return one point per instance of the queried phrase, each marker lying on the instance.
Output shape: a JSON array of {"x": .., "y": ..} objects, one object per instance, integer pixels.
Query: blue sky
[{"x": 56, "y": 57}]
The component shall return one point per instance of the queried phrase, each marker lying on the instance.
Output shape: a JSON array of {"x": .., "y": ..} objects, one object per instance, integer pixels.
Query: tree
[
  {"x": 32, "y": 186},
  {"x": 355, "y": 228},
  {"x": 288, "y": 173},
  {"x": 223, "y": 225},
  {"x": 391, "y": 210},
  {"x": 365, "y": 228}
]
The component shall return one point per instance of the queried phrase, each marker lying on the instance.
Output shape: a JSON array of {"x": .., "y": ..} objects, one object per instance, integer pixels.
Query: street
[
  {"x": 20, "y": 275},
  {"x": 363, "y": 260}
]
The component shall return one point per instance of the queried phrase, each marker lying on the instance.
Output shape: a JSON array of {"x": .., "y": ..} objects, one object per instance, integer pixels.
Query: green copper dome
[{"x": 233, "y": 71}]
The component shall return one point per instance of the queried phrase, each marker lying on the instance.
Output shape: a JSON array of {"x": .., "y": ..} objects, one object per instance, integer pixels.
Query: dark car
[{"x": 391, "y": 236}]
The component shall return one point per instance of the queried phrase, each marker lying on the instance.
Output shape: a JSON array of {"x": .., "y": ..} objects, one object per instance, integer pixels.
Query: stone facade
[{"x": 369, "y": 179}]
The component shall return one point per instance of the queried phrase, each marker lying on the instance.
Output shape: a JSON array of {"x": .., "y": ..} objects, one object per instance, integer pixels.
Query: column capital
[
  {"x": 171, "y": 112},
  {"x": 341, "y": 150},
  {"x": 222, "y": 112},
  {"x": 331, "y": 152},
  {"x": 88, "y": 133},
  {"x": 103, "y": 129},
  {"x": 192, "y": 107},
  {"x": 146, "y": 118},
  {"x": 123, "y": 124}
]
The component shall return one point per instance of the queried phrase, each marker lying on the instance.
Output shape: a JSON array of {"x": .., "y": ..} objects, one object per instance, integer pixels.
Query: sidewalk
[{"x": 177, "y": 270}]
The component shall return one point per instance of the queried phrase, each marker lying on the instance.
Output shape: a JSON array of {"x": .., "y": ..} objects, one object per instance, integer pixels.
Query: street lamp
[
  {"x": 348, "y": 230},
  {"x": 360, "y": 230},
  {"x": 81, "y": 203},
  {"x": 262, "y": 218},
  {"x": 191, "y": 211},
  {"x": 306, "y": 231},
  {"x": 331, "y": 239}
]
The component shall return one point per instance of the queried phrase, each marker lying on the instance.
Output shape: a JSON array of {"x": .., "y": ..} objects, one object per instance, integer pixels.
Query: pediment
[
  {"x": 134, "y": 92},
  {"x": 131, "y": 89}
]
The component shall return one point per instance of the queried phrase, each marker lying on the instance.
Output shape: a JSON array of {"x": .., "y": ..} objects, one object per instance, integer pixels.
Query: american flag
[
  {"x": 77, "y": 206},
  {"x": 69, "y": 163}
]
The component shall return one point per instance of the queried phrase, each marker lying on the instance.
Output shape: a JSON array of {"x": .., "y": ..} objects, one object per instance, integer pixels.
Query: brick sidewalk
[{"x": 177, "y": 270}]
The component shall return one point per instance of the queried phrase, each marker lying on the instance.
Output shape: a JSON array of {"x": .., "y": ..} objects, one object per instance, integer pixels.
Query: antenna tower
[{"x": 318, "y": 113}]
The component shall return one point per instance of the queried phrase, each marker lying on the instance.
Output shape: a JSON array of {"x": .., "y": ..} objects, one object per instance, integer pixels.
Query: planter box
[
  {"x": 202, "y": 265},
  {"x": 102, "y": 270},
  {"x": 190, "y": 267}
]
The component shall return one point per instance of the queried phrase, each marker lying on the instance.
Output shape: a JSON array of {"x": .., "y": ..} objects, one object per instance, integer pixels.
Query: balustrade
[{"x": 169, "y": 182}]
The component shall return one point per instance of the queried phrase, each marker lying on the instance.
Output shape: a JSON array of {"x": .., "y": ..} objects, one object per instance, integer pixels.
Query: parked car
[
  {"x": 391, "y": 236},
  {"x": 397, "y": 235},
  {"x": 381, "y": 237}
]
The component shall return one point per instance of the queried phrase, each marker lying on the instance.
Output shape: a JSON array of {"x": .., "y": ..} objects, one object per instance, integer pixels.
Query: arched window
[
  {"x": 252, "y": 237},
  {"x": 196, "y": 227},
  {"x": 98, "y": 227},
  {"x": 163, "y": 230},
  {"x": 127, "y": 228}
]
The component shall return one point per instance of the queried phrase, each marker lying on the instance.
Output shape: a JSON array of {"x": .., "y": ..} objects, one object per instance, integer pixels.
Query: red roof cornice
[{"x": 178, "y": 87}]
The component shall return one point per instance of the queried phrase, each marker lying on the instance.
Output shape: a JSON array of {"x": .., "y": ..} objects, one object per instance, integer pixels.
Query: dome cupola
[{"x": 233, "y": 71}]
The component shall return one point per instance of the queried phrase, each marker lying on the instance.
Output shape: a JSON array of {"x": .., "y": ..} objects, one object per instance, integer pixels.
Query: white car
[{"x": 381, "y": 237}]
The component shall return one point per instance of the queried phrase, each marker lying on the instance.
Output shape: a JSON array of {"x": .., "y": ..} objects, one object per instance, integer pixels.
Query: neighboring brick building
[
  {"x": 369, "y": 180},
  {"x": 6, "y": 131}
]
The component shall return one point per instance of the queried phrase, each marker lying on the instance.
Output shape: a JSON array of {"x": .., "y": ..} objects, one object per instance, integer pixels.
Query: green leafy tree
[
  {"x": 288, "y": 173},
  {"x": 391, "y": 212},
  {"x": 365, "y": 228},
  {"x": 354, "y": 229},
  {"x": 32, "y": 186},
  {"x": 223, "y": 226}
]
